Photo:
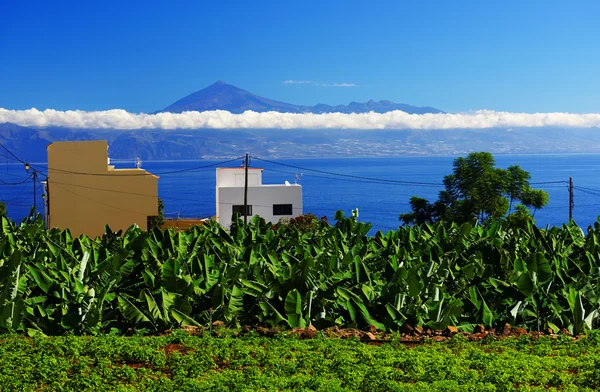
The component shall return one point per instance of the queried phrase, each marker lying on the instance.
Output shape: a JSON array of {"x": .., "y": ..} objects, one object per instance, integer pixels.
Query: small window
[
  {"x": 240, "y": 210},
  {"x": 282, "y": 209}
]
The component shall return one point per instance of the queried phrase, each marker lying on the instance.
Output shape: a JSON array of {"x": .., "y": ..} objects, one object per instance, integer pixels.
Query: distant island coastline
[{"x": 192, "y": 144}]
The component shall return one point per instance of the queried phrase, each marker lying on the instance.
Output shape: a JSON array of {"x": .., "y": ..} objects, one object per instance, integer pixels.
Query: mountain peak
[{"x": 223, "y": 96}]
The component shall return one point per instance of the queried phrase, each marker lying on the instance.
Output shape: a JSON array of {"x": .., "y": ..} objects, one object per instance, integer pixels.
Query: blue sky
[{"x": 531, "y": 56}]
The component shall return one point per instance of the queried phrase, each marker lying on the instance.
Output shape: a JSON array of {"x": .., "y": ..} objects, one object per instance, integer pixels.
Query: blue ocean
[{"x": 191, "y": 193}]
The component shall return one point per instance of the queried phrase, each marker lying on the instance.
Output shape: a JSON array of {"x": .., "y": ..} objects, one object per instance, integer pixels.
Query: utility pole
[
  {"x": 246, "y": 191},
  {"x": 27, "y": 167},
  {"x": 570, "y": 198},
  {"x": 34, "y": 191},
  {"x": 46, "y": 201}
]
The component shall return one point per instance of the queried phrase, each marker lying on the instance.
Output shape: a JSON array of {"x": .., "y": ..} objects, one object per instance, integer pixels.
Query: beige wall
[{"x": 85, "y": 203}]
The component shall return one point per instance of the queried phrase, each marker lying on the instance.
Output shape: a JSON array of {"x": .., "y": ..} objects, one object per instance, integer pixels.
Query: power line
[
  {"x": 64, "y": 185},
  {"x": 13, "y": 155},
  {"x": 196, "y": 201},
  {"x": 145, "y": 173},
  {"x": 101, "y": 203},
  {"x": 589, "y": 192},
  {"x": 2, "y": 182},
  {"x": 378, "y": 180},
  {"x": 51, "y": 182},
  {"x": 347, "y": 179},
  {"x": 126, "y": 192},
  {"x": 111, "y": 174},
  {"x": 9, "y": 157},
  {"x": 16, "y": 204},
  {"x": 327, "y": 175},
  {"x": 554, "y": 207},
  {"x": 549, "y": 182},
  {"x": 199, "y": 167},
  {"x": 555, "y": 187},
  {"x": 589, "y": 205},
  {"x": 9, "y": 174},
  {"x": 588, "y": 189},
  {"x": 17, "y": 197},
  {"x": 351, "y": 175}
]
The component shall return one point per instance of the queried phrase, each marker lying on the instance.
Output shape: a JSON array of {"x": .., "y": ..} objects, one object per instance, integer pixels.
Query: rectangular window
[
  {"x": 282, "y": 209},
  {"x": 240, "y": 210}
]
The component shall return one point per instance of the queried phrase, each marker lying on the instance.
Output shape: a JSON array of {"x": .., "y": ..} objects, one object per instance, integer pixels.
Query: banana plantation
[{"x": 433, "y": 275}]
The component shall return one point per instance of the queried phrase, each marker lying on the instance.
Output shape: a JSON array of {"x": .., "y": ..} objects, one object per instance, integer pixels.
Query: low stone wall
[{"x": 182, "y": 223}]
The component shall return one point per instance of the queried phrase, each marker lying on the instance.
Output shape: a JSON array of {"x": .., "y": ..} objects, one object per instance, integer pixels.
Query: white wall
[
  {"x": 261, "y": 198},
  {"x": 235, "y": 177}
]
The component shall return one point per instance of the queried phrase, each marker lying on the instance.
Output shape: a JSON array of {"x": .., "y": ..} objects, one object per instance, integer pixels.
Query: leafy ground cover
[
  {"x": 180, "y": 361},
  {"x": 434, "y": 275}
]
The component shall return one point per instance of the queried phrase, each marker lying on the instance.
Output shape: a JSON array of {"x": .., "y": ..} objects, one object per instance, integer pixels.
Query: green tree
[
  {"x": 520, "y": 217},
  {"x": 517, "y": 183},
  {"x": 477, "y": 189},
  {"x": 2, "y": 208},
  {"x": 534, "y": 198},
  {"x": 422, "y": 211}
]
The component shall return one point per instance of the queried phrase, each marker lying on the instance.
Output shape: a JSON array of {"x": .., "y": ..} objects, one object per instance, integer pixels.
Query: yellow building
[{"x": 85, "y": 193}]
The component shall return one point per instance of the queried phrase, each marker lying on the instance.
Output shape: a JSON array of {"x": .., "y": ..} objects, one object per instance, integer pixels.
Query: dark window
[
  {"x": 282, "y": 209},
  {"x": 240, "y": 210}
]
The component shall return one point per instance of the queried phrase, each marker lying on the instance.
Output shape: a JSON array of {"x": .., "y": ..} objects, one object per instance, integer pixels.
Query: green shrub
[{"x": 435, "y": 275}]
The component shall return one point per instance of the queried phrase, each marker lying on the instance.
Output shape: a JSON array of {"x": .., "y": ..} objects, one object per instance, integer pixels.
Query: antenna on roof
[
  {"x": 297, "y": 178},
  {"x": 138, "y": 163}
]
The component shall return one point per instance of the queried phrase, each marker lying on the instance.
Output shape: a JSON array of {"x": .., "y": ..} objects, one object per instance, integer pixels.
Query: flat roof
[
  {"x": 261, "y": 186},
  {"x": 239, "y": 168}
]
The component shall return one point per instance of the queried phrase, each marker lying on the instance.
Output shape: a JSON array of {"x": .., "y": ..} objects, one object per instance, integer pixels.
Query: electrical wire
[
  {"x": 99, "y": 202},
  {"x": 329, "y": 176},
  {"x": 9, "y": 157},
  {"x": 589, "y": 192},
  {"x": 18, "y": 196},
  {"x": 144, "y": 173},
  {"x": 554, "y": 207},
  {"x": 2, "y": 182},
  {"x": 11, "y": 153},
  {"x": 588, "y": 205},
  {"x": 548, "y": 182},
  {"x": 347, "y": 179},
  {"x": 16, "y": 204},
  {"x": 378, "y": 180},
  {"x": 196, "y": 201},
  {"x": 51, "y": 182},
  {"x": 40, "y": 188},
  {"x": 20, "y": 175},
  {"x": 199, "y": 167},
  {"x": 64, "y": 185},
  {"x": 588, "y": 189},
  {"x": 370, "y": 180},
  {"x": 554, "y": 187}
]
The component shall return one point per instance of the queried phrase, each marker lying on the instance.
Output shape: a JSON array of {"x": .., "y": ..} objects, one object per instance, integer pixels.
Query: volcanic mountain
[{"x": 223, "y": 96}]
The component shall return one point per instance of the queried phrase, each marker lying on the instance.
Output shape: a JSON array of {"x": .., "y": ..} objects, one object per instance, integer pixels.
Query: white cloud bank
[
  {"x": 219, "y": 119},
  {"x": 298, "y": 82},
  {"x": 324, "y": 84},
  {"x": 337, "y": 84}
]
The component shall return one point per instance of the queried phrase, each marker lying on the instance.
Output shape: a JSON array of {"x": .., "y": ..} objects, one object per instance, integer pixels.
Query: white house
[{"x": 271, "y": 202}]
